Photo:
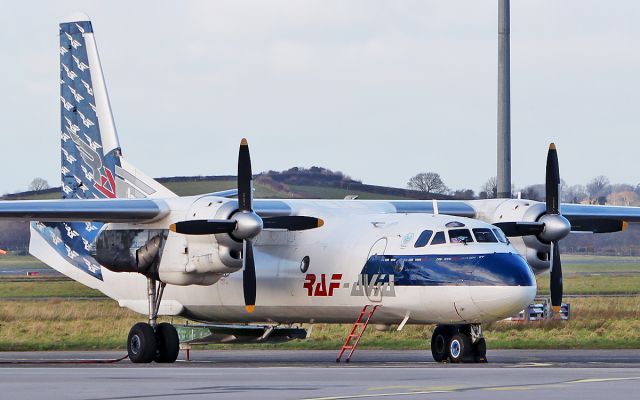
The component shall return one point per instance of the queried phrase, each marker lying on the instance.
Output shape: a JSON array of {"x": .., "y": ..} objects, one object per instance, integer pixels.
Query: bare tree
[
  {"x": 628, "y": 198},
  {"x": 598, "y": 187},
  {"x": 39, "y": 184},
  {"x": 534, "y": 192},
  {"x": 429, "y": 182},
  {"x": 574, "y": 194},
  {"x": 490, "y": 189},
  {"x": 463, "y": 194}
]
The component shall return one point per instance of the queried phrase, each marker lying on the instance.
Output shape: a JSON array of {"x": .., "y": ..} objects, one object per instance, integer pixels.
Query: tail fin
[{"x": 92, "y": 163}]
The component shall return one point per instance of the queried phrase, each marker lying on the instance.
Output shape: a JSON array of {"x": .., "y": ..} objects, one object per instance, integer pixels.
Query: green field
[
  {"x": 101, "y": 324},
  {"x": 323, "y": 192},
  {"x": 39, "y": 317},
  {"x": 190, "y": 188},
  {"x": 44, "y": 288},
  {"x": 20, "y": 262}
]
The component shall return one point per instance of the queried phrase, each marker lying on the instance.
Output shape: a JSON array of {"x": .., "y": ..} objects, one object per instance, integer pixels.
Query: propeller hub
[
  {"x": 556, "y": 227},
  {"x": 248, "y": 225}
]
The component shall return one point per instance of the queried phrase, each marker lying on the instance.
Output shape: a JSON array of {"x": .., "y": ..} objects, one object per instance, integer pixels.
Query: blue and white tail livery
[{"x": 92, "y": 166}]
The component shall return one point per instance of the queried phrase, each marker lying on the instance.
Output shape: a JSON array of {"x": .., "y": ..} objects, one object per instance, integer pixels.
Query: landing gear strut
[
  {"x": 152, "y": 341},
  {"x": 459, "y": 343}
]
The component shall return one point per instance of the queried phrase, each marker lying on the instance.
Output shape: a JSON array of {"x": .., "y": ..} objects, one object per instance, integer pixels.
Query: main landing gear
[
  {"x": 152, "y": 341},
  {"x": 459, "y": 343}
]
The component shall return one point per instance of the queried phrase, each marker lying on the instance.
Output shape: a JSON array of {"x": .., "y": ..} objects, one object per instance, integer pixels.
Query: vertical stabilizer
[{"x": 92, "y": 164}]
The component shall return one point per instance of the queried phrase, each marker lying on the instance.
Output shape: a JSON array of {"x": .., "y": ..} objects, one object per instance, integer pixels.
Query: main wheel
[
  {"x": 168, "y": 343},
  {"x": 480, "y": 351},
  {"x": 440, "y": 343},
  {"x": 460, "y": 347},
  {"x": 141, "y": 344}
]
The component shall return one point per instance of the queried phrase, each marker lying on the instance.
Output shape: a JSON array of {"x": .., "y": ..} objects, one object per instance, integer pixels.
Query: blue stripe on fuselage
[{"x": 493, "y": 269}]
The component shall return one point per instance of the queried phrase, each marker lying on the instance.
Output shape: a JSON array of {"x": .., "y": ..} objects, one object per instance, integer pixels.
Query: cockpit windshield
[
  {"x": 423, "y": 239},
  {"x": 460, "y": 236},
  {"x": 500, "y": 235},
  {"x": 438, "y": 238},
  {"x": 484, "y": 235}
]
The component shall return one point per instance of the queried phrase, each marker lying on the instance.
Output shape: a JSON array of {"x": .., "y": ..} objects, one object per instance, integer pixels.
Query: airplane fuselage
[{"x": 362, "y": 255}]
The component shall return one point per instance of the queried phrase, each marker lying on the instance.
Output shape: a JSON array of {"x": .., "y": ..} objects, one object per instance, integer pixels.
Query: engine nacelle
[
  {"x": 201, "y": 259},
  {"x": 130, "y": 250},
  {"x": 535, "y": 250}
]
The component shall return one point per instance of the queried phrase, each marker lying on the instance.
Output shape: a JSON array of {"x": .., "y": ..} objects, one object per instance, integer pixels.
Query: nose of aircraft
[
  {"x": 513, "y": 289},
  {"x": 498, "y": 302}
]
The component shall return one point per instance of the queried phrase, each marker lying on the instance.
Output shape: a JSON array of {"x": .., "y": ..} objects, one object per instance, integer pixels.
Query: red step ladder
[{"x": 355, "y": 333}]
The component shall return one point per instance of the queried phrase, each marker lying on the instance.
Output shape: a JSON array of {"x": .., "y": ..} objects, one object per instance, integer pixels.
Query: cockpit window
[
  {"x": 438, "y": 238},
  {"x": 454, "y": 224},
  {"x": 423, "y": 239},
  {"x": 484, "y": 235},
  {"x": 500, "y": 235},
  {"x": 460, "y": 236}
]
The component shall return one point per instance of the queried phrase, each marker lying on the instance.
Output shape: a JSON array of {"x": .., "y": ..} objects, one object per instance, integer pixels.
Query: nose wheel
[
  {"x": 459, "y": 344},
  {"x": 151, "y": 341}
]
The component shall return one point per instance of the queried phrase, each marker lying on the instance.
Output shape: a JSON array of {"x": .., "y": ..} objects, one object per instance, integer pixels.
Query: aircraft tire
[
  {"x": 460, "y": 347},
  {"x": 141, "y": 343},
  {"x": 440, "y": 343},
  {"x": 168, "y": 343},
  {"x": 480, "y": 351}
]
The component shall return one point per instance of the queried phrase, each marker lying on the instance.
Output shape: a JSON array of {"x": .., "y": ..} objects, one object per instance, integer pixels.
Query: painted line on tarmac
[
  {"x": 529, "y": 365},
  {"x": 439, "y": 390}
]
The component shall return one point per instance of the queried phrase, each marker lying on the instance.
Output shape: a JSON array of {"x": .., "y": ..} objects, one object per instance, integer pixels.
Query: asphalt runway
[{"x": 305, "y": 374}]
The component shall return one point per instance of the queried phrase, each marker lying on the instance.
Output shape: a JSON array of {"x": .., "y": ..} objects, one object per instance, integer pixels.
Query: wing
[
  {"x": 599, "y": 219},
  {"x": 583, "y": 217}
]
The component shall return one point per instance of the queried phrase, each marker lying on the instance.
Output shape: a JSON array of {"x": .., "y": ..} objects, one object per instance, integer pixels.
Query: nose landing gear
[
  {"x": 459, "y": 343},
  {"x": 152, "y": 341}
]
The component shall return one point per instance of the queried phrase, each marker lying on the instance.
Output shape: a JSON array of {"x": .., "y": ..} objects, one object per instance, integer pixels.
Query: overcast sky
[{"x": 380, "y": 90}]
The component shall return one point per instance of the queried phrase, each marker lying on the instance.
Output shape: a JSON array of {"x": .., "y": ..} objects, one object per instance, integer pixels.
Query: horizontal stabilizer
[{"x": 102, "y": 210}]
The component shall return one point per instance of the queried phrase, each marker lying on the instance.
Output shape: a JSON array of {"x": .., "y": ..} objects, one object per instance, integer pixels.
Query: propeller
[
  {"x": 244, "y": 225},
  {"x": 551, "y": 227},
  {"x": 556, "y": 227}
]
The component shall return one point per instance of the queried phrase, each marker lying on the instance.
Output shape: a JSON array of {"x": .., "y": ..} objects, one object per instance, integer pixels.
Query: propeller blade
[
  {"x": 292, "y": 223},
  {"x": 203, "y": 227},
  {"x": 245, "y": 194},
  {"x": 555, "y": 280},
  {"x": 513, "y": 229},
  {"x": 248, "y": 276},
  {"x": 552, "y": 182}
]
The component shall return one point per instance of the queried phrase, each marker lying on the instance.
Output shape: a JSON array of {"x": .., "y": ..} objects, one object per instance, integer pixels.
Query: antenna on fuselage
[
  {"x": 435, "y": 207},
  {"x": 503, "y": 177}
]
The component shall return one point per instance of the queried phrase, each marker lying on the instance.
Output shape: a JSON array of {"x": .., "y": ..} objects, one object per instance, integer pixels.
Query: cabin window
[
  {"x": 460, "y": 236},
  {"x": 438, "y": 238},
  {"x": 423, "y": 239},
  {"x": 484, "y": 235},
  {"x": 500, "y": 235},
  {"x": 304, "y": 264}
]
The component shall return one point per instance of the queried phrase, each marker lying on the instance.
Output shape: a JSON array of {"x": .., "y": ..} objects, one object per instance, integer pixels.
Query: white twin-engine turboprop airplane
[{"x": 213, "y": 259}]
